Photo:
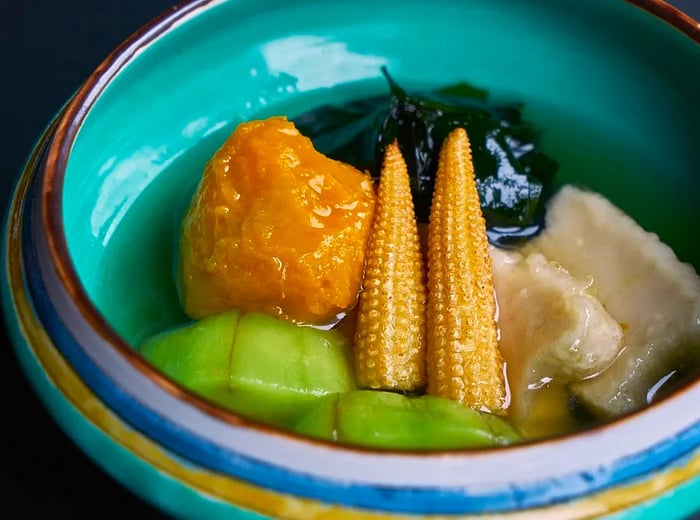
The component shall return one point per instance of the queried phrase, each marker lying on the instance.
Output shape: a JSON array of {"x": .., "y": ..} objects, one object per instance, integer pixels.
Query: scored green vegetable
[
  {"x": 513, "y": 175},
  {"x": 262, "y": 367},
  {"x": 287, "y": 365},
  {"x": 196, "y": 355},
  {"x": 302, "y": 378},
  {"x": 390, "y": 420}
]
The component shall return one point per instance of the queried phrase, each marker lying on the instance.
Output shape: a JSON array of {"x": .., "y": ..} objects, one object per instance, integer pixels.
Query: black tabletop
[{"x": 47, "y": 48}]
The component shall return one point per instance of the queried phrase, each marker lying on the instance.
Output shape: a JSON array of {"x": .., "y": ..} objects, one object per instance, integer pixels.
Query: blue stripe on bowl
[{"x": 401, "y": 500}]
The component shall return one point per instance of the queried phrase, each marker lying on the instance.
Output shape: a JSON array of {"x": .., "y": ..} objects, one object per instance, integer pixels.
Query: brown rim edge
[
  {"x": 57, "y": 158},
  {"x": 671, "y": 15}
]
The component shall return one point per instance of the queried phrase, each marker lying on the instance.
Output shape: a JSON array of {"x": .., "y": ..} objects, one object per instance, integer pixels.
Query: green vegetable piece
[
  {"x": 394, "y": 421},
  {"x": 513, "y": 176},
  {"x": 278, "y": 368},
  {"x": 321, "y": 419},
  {"x": 289, "y": 361},
  {"x": 196, "y": 355},
  {"x": 261, "y": 367}
]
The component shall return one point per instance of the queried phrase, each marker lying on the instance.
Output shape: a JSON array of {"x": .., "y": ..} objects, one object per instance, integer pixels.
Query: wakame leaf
[{"x": 513, "y": 176}]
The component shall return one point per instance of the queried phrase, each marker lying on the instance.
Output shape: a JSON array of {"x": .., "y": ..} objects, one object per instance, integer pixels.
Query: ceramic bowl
[{"x": 89, "y": 241}]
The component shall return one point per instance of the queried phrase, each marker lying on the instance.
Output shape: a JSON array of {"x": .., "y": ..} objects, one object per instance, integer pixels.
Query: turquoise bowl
[{"x": 89, "y": 242}]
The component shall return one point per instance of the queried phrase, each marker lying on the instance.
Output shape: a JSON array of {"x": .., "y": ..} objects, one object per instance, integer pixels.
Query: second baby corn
[
  {"x": 389, "y": 346},
  {"x": 463, "y": 360}
]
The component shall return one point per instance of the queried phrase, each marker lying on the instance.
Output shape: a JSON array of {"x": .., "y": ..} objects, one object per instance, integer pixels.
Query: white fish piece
[
  {"x": 641, "y": 283},
  {"x": 553, "y": 332}
]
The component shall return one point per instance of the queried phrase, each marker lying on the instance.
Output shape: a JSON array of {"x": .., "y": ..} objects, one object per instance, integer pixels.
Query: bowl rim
[
  {"x": 58, "y": 153},
  {"x": 236, "y": 493}
]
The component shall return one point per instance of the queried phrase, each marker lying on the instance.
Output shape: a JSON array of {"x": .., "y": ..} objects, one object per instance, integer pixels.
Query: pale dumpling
[
  {"x": 641, "y": 283},
  {"x": 553, "y": 332}
]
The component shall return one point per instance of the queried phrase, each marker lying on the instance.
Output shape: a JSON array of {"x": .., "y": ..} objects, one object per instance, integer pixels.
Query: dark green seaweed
[{"x": 513, "y": 177}]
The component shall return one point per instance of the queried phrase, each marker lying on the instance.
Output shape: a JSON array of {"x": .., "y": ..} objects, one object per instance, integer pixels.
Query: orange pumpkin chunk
[{"x": 275, "y": 227}]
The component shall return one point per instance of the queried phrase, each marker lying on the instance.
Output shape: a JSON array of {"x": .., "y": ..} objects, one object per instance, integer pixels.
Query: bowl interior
[{"x": 614, "y": 90}]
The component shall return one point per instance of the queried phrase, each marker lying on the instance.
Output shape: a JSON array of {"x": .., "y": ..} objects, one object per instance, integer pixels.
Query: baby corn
[
  {"x": 389, "y": 346},
  {"x": 463, "y": 361}
]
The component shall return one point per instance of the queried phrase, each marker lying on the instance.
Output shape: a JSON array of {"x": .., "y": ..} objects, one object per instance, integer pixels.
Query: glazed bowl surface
[{"x": 94, "y": 224}]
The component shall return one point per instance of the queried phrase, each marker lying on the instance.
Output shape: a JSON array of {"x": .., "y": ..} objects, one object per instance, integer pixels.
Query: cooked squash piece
[
  {"x": 641, "y": 283},
  {"x": 275, "y": 227}
]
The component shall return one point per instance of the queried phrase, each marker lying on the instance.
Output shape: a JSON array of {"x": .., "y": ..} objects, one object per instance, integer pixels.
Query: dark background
[{"x": 47, "y": 48}]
